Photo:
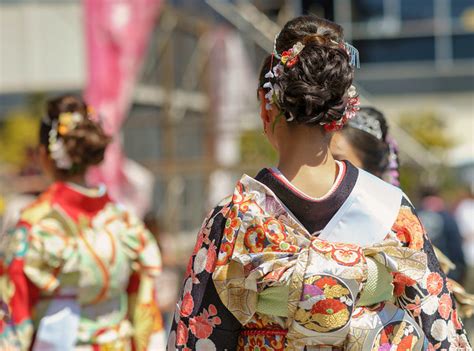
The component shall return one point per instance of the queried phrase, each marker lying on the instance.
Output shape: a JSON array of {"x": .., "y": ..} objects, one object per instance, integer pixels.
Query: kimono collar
[
  {"x": 364, "y": 218},
  {"x": 78, "y": 201}
]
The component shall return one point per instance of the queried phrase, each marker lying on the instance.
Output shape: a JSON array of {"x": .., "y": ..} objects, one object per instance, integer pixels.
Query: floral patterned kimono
[
  {"x": 78, "y": 272},
  {"x": 274, "y": 269}
]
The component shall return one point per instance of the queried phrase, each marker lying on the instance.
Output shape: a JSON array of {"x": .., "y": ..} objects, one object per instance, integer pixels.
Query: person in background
[
  {"x": 443, "y": 230},
  {"x": 464, "y": 214},
  {"x": 303, "y": 256},
  {"x": 78, "y": 270},
  {"x": 366, "y": 142}
]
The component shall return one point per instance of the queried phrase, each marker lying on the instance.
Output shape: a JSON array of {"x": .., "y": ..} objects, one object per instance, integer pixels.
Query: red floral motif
[
  {"x": 277, "y": 235},
  {"x": 408, "y": 229},
  {"x": 201, "y": 326},
  {"x": 187, "y": 305},
  {"x": 181, "y": 334},
  {"x": 326, "y": 281},
  {"x": 322, "y": 246},
  {"x": 225, "y": 251},
  {"x": 233, "y": 222},
  {"x": 254, "y": 239},
  {"x": 400, "y": 282},
  {"x": 288, "y": 59},
  {"x": 199, "y": 242},
  {"x": 455, "y": 320},
  {"x": 344, "y": 254},
  {"x": 189, "y": 267},
  {"x": 349, "y": 257},
  {"x": 434, "y": 283},
  {"x": 211, "y": 258},
  {"x": 445, "y": 306},
  {"x": 328, "y": 306}
]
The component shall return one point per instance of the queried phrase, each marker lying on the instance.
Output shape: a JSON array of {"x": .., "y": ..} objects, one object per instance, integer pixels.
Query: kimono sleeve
[
  {"x": 17, "y": 294},
  {"x": 201, "y": 321},
  {"x": 143, "y": 305},
  {"x": 429, "y": 301}
]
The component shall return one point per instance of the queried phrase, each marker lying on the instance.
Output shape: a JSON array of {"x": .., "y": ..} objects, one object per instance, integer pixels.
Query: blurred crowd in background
[{"x": 174, "y": 82}]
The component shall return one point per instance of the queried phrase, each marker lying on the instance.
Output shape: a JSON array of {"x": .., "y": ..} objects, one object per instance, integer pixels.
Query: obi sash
[{"x": 268, "y": 258}]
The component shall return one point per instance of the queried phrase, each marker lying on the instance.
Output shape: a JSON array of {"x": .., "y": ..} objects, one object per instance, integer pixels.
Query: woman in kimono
[
  {"x": 78, "y": 270},
  {"x": 365, "y": 141},
  {"x": 314, "y": 254}
]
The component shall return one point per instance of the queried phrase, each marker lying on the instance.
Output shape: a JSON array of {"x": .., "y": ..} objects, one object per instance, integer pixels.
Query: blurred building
[{"x": 196, "y": 95}]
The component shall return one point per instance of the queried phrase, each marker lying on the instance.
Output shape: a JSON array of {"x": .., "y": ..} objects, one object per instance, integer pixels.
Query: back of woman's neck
[
  {"x": 79, "y": 180},
  {"x": 312, "y": 174}
]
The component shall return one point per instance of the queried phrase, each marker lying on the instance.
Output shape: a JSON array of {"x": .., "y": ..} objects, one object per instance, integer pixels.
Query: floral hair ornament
[
  {"x": 290, "y": 57},
  {"x": 352, "y": 106},
  {"x": 66, "y": 122},
  {"x": 287, "y": 59}
]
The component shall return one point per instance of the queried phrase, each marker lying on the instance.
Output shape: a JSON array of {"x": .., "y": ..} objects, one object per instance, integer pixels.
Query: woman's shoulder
[
  {"x": 38, "y": 208},
  {"x": 407, "y": 226}
]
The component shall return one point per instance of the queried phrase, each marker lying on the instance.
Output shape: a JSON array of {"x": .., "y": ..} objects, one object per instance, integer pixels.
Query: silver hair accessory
[
  {"x": 351, "y": 51},
  {"x": 353, "y": 54},
  {"x": 367, "y": 124}
]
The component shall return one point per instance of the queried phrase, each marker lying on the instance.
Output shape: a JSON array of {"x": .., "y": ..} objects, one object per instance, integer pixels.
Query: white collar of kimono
[
  {"x": 366, "y": 216},
  {"x": 341, "y": 170},
  {"x": 89, "y": 192}
]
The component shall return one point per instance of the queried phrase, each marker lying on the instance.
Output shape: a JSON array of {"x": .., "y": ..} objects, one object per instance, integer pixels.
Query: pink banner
[{"x": 117, "y": 36}]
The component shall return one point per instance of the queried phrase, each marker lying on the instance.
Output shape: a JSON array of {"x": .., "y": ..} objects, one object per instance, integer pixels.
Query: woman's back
[
  {"x": 273, "y": 270},
  {"x": 79, "y": 270}
]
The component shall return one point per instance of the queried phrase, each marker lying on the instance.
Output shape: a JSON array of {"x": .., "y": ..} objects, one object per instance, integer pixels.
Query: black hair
[
  {"x": 374, "y": 152},
  {"x": 312, "y": 91},
  {"x": 85, "y": 144}
]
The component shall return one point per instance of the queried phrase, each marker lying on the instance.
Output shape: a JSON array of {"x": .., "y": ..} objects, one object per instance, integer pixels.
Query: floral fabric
[
  {"x": 428, "y": 300},
  {"x": 86, "y": 247},
  {"x": 212, "y": 315}
]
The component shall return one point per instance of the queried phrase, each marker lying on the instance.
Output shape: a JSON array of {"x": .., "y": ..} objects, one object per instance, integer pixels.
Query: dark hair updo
[
  {"x": 372, "y": 149},
  {"x": 84, "y": 144},
  {"x": 312, "y": 91}
]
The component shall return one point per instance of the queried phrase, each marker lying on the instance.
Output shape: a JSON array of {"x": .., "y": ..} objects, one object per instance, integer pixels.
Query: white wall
[{"x": 41, "y": 47}]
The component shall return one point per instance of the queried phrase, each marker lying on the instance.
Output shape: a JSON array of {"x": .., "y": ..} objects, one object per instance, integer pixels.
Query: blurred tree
[
  {"x": 430, "y": 130},
  {"x": 255, "y": 150},
  {"x": 19, "y": 132}
]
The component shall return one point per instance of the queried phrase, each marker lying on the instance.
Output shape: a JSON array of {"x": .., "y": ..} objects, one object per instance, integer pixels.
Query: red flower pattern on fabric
[
  {"x": 211, "y": 258},
  {"x": 434, "y": 283},
  {"x": 326, "y": 281},
  {"x": 400, "y": 282},
  {"x": 181, "y": 334},
  {"x": 187, "y": 305},
  {"x": 445, "y": 306},
  {"x": 408, "y": 229},
  {"x": 201, "y": 326},
  {"x": 328, "y": 306}
]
